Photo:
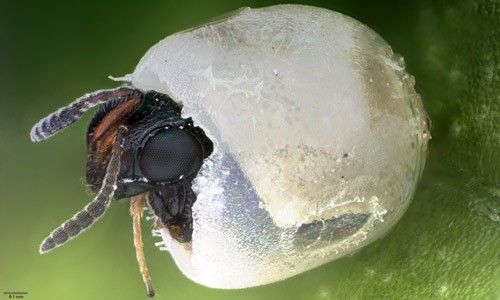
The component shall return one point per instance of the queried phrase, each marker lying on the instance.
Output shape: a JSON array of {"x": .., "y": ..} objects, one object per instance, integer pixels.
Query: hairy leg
[{"x": 137, "y": 204}]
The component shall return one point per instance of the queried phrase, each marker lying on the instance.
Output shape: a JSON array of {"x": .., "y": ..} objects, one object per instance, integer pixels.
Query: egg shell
[{"x": 319, "y": 137}]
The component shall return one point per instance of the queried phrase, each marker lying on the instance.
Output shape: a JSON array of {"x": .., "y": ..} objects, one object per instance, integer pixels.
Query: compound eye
[{"x": 170, "y": 154}]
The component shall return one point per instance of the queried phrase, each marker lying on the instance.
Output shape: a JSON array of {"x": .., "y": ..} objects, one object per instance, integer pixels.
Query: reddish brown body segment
[
  {"x": 101, "y": 138},
  {"x": 114, "y": 118}
]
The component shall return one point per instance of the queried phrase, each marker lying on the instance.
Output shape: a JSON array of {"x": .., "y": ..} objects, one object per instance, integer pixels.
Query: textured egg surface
[{"x": 319, "y": 139}]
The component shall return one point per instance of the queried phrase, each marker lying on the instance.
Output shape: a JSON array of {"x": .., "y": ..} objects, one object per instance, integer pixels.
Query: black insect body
[
  {"x": 138, "y": 146},
  {"x": 162, "y": 154}
]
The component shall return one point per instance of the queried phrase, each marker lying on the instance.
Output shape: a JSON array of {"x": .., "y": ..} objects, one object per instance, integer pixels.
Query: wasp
[{"x": 138, "y": 147}]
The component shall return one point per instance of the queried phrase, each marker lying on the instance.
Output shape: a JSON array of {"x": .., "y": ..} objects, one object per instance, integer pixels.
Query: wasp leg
[
  {"x": 137, "y": 204},
  {"x": 69, "y": 114},
  {"x": 94, "y": 210}
]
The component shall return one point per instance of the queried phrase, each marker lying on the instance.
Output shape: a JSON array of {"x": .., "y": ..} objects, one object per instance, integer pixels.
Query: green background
[{"x": 446, "y": 246}]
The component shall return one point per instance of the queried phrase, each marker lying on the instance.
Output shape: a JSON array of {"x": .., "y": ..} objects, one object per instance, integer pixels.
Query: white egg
[{"x": 319, "y": 139}]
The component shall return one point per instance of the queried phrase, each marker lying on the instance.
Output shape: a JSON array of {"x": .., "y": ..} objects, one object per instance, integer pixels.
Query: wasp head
[{"x": 137, "y": 143}]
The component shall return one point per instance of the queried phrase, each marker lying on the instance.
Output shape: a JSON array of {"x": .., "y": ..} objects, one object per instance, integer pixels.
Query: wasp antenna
[
  {"x": 82, "y": 220},
  {"x": 69, "y": 114}
]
